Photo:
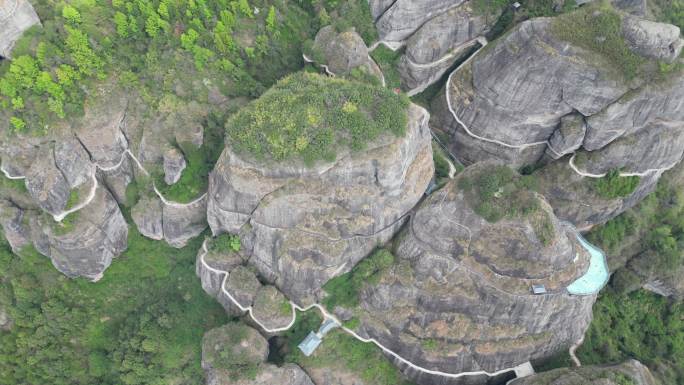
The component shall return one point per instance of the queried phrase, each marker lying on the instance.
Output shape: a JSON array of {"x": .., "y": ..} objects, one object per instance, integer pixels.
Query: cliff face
[
  {"x": 16, "y": 16},
  {"x": 305, "y": 225},
  {"x": 397, "y": 20},
  {"x": 630, "y": 372},
  {"x": 71, "y": 183},
  {"x": 439, "y": 43},
  {"x": 458, "y": 295}
]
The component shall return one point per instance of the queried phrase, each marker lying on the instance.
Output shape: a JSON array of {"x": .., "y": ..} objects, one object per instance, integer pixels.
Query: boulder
[
  {"x": 308, "y": 224},
  {"x": 271, "y": 308},
  {"x": 568, "y": 137},
  {"x": 85, "y": 242},
  {"x": 458, "y": 298},
  {"x": 235, "y": 354},
  {"x": 6, "y": 322},
  {"x": 630, "y": 372},
  {"x": 654, "y": 40},
  {"x": 182, "y": 222},
  {"x": 147, "y": 216},
  {"x": 404, "y": 17},
  {"x": 73, "y": 161},
  {"x": 14, "y": 228},
  {"x": 344, "y": 52},
  {"x": 243, "y": 285},
  {"x": 174, "y": 164},
  {"x": 16, "y": 16}
]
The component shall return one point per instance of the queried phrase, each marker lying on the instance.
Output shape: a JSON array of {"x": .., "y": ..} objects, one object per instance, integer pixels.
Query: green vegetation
[
  {"x": 229, "y": 347},
  {"x": 141, "y": 324},
  {"x": 344, "y": 290},
  {"x": 647, "y": 240},
  {"x": 346, "y": 15},
  {"x": 309, "y": 116},
  {"x": 639, "y": 325},
  {"x": 339, "y": 352},
  {"x": 12, "y": 185},
  {"x": 499, "y": 192},
  {"x": 614, "y": 186},
  {"x": 225, "y": 243},
  {"x": 388, "y": 61},
  {"x": 489, "y": 7},
  {"x": 598, "y": 29},
  {"x": 64, "y": 226},
  {"x": 199, "y": 162},
  {"x": 668, "y": 11},
  {"x": 74, "y": 198},
  {"x": 441, "y": 162},
  {"x": 157, "y": 48}
]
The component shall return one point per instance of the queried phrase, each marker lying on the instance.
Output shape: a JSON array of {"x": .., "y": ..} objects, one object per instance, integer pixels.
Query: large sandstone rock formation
[
  {"x": 235, "y": 354},
  {"x": 630, "y": 372},
  {"x": 458, "y": 296},
  {"x": 16, "y": 16},
  {"x": 513, "y": 96},
  {"x": 439, "y": 43},
  {"x": 305, "y": 225},
  {"x": 531, "y": 96}
]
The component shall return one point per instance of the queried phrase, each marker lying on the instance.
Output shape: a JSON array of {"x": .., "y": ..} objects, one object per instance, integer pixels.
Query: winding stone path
[{"x": 326, "y": 315}]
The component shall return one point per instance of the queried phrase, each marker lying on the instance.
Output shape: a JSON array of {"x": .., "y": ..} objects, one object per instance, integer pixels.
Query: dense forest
[{"x": 143, "y": 322}]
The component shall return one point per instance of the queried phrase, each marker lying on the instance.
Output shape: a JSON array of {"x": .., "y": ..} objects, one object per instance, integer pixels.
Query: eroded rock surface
[
  {"x": 308, "y": 224},
  {"x": 344, "y": 52},
  {"x": 458, "y": 295},
  {"x": 439, "y": 43},
  {"x": 16, "y": 16},
  {"x": 404, "y": 17},
  {"x": 651, "y": 39}
]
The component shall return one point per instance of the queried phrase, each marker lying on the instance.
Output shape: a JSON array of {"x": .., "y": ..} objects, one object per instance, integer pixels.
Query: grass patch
[
  {"x": 344, "y": 290},
  {"x": 598, "y": 29},
  {"x": 14, "y": 185},
  {"x": 498, "y": 192},
  {"x": 614, "y": 186},
  {"x": 388, "y": 62},
  {"x": 309, "y": 116},
  {"x": 64, "y": 226},
  {"x": 74, "y": 198}
]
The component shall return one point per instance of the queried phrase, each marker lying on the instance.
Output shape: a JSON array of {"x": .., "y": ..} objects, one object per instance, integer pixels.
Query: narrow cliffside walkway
[
  {"x": 572, "y": 351},
  {"x": 327, "y": 315},
  {"x": 95, "y": 184},
  {"x": 574, "y": 167},
  {"x": 483, "y": 42}
]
